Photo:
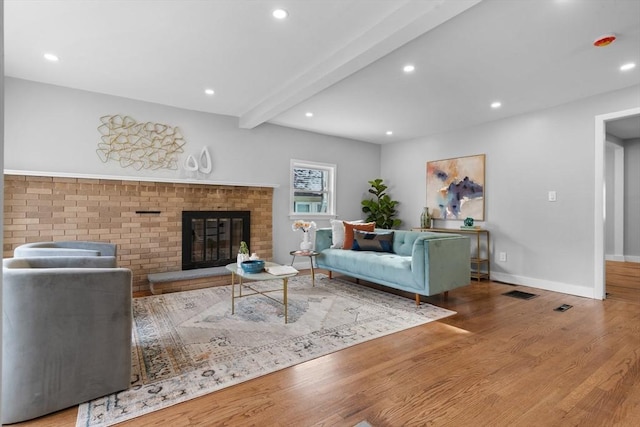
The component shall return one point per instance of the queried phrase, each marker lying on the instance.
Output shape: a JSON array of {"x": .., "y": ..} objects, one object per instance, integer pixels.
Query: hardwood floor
[
  {"x": 623, "y": 281},
  {"x": 500, "y": 361}
]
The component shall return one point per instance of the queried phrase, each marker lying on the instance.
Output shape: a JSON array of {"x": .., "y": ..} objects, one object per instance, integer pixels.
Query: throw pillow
[
  {"x": 379, "y": 242},
  {"x": 348, "y": 231},
  {"x": 337, "y": 232}
]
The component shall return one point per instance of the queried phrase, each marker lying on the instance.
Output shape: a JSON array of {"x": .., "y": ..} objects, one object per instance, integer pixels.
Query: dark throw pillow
[
  {"x": 368, "y": 241},
  {"x": 350, "y": 227}
]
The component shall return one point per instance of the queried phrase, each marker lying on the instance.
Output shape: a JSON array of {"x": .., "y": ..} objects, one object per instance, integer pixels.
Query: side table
[{"x": 310, "y": 254}]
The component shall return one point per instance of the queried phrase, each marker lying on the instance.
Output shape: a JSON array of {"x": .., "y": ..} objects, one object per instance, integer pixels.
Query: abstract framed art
[{"x": 456, "y": 188}]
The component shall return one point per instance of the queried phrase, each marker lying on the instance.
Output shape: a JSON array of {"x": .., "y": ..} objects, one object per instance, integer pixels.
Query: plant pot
[{"x": 242, "y": 258}]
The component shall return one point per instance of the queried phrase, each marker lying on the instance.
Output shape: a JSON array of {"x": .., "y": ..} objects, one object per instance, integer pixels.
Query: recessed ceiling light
[
  {"x": 409, "y": 68},
  {"x": 389, "y": 132},
  {"x": 51, "y": 57},
  {"x": 627, "y": 67},
  {"x": 209, "y": 91},
  {"x": 496, "y": 104},
  {"x": 280, "y": 13},
  {"x": 308, "y": 114}
]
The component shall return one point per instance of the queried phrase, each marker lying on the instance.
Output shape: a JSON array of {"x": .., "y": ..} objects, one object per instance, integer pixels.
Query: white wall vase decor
[
  {"x": 202, "y": 164},
  {"x": 206, "y": 165},
  {"x": 191, "y": 164}
]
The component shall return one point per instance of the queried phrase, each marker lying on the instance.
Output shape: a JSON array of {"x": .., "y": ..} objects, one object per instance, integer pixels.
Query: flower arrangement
[{"x": 303, "y": 225}]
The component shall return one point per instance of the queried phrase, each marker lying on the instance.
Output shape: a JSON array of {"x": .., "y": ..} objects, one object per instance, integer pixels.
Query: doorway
[{"x": 617, "y": 271}]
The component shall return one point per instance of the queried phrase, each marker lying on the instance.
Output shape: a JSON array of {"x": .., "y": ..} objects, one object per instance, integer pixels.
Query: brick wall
[{"x": 51, "y": 209}]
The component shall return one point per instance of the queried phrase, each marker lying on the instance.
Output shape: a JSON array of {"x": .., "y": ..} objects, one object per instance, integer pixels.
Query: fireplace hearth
[{"x": 212, "y": 238}]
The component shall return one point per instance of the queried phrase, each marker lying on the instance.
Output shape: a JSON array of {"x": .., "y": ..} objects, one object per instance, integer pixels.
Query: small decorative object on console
[
  {"x": 425, "y": 218},
  {"x": 468, "y": 224},
  {"x": 252, "y": 266}
]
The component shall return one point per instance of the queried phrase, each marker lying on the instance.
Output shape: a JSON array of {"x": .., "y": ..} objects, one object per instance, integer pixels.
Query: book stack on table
[{"x": 281, "y": 270}]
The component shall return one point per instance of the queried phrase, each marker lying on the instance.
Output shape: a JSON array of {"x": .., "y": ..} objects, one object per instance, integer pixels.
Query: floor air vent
[{"x": 520, "y": 294}]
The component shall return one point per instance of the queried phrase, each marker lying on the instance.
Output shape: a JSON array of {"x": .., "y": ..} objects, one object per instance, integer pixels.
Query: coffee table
[{"x": 262, "y": 276}]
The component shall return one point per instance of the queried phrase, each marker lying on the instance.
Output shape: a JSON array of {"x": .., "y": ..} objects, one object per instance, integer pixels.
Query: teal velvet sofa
[{"x": 422, "y": 263}]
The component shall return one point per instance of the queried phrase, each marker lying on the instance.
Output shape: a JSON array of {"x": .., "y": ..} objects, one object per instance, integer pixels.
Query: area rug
[{"x": 188, "y": 344}]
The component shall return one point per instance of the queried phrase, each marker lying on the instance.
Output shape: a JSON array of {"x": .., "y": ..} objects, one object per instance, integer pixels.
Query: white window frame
[{"x": 330, "y": 190}]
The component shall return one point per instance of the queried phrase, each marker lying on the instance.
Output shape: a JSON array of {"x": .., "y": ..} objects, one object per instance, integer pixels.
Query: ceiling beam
[{"x": 409, "y": 21}]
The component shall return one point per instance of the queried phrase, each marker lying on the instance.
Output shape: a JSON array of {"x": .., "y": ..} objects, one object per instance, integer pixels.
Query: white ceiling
[{"x": 340, "y": 59}]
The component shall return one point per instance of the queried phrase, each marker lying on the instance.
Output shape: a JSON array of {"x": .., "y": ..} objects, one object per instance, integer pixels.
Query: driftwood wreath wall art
[{"x": 139, "y": 145}]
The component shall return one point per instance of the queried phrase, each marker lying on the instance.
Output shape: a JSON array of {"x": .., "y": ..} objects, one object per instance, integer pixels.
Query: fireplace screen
[{"x": 212, "y": 238}]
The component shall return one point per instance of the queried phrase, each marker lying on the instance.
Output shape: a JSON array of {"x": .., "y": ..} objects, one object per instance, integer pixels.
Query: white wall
[
  {"x": 54, "y": 129},
  {"x": 632, "y": 199},
  {"x": 549, "y": 245},
  {"x": 614, "y": 199},
  {"x": 1, "y": 162}
]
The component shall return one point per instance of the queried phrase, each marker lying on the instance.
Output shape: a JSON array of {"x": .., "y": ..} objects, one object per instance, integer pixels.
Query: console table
[{"x": 480, "y": 258}]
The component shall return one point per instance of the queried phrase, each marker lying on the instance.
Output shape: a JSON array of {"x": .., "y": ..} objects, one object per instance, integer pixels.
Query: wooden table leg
[
  {"x": 284, "y": 282},
  {"x": 313, "y": 273},
  {"x": 233, "y": 292}
]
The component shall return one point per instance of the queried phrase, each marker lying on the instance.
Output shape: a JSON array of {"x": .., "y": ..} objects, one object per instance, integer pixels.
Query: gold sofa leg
[{"x": 417, "y": 299}]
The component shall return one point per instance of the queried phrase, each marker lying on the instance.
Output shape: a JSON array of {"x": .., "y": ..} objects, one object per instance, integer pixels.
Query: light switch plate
[{"x": 552, "y": 196}]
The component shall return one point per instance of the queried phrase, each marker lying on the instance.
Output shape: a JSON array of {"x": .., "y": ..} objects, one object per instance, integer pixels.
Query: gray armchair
[
  {"x": 65, "y": 248},
  {"x": 66, "y": 333}
]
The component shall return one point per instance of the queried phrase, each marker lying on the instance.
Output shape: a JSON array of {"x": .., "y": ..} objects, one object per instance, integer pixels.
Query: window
[{"x": 312, "y": 189}]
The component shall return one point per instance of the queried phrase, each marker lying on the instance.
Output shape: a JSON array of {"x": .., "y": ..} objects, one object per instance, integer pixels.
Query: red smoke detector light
[{"x": 605, "y": 40}]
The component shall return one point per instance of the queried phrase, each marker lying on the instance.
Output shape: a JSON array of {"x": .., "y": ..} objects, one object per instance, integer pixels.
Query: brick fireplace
[{"x": 143, "y": 218}]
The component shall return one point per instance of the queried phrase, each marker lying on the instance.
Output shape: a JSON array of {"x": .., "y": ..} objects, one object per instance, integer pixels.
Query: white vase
[
  {"x": 242, "y": 258},
  {"x": 305, "y": 245}
]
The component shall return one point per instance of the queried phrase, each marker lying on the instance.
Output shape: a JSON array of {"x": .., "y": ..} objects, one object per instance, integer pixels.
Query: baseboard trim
[
  {"x": 564, "y": 288},
  {"x": 631, "y": 258}
]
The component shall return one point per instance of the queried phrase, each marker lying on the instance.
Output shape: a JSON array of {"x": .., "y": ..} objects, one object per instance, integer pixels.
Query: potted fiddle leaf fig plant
[{"x": 381, "y": 209}]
